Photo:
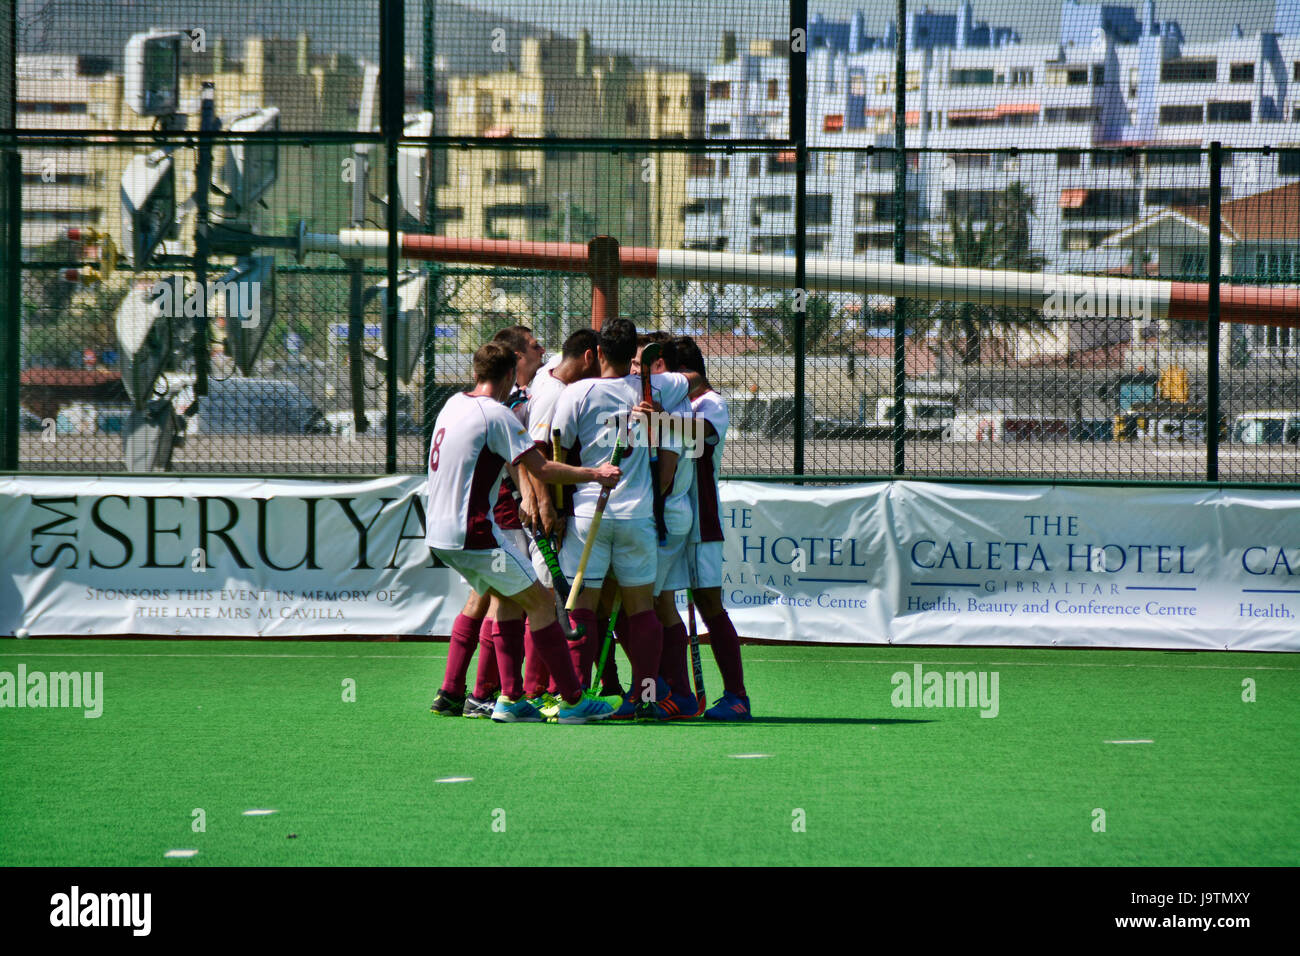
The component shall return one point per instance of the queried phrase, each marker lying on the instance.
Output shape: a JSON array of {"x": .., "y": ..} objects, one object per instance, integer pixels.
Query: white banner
[{"x": 893, "y": 562}]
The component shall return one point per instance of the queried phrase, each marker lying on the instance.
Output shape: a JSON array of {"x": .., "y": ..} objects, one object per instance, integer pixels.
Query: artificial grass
[{"x": 229, "y": 726}]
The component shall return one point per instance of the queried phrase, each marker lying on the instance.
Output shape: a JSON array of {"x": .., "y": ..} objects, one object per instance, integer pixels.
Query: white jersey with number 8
[{"x": 473, "y": 439}]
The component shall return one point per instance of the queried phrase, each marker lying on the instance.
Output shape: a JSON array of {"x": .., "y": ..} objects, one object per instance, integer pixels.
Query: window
[
  {"x": 724, "y": 169},
  {"x": 1069, "y": 160},
  {"x": 1099, "y": 74},
  {"x": 1072, "y": 114},
  {"x": 1022, "y": 77},
  {"x": 773, "y": 89},
  {"x": 1238, "y": 112},
  {"x": 780, "y": 245},
  {"x": 971, "y": 160},
  {"x": 1103, "y": 204},
  {"x": 45, "y": 106},
  {"x": 1133, "y": 81},
  {"x": 817, "y": 209},
  {"x": 720, "y": 90},
  {"x": 970, "y": 77},
  {"x": 1181, "y": 157},
  {"x": 718, "y": 130},
  {"x": 512, "y": 176},
  {"x": 1192, "y": 264},
  {"x": 1188, "y": 71},
  {"x": 755, "y": 167},
  {"x": 762, "y": 204},
  {"x": 703, "y": 207},
  {"x": 1117, "y": 159},
  {"x": 1176, "y": 115},
  {"x": 631, "y": 112},
  {"x": 699, "y": 166},
  {"x": 1178, "y": 197},
  {"x": 1241, "y": 73},
  {"x": 857, "y": 83},
  {"x": 505, "y": 104},
  {"x": 781, "y": 163},
  {"x": 1288, "y": 162},
  {"x": 449, "y": 214},
  {"x": 1079, "y": 240},
  {"x": 1296, "y": 71},
  {"x": 833, "y": 123}
]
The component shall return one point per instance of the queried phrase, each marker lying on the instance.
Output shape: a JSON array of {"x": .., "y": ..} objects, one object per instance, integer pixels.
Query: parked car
[
  {"x": 1267, "y": 428},
  {"x": 252, "y": 406}
]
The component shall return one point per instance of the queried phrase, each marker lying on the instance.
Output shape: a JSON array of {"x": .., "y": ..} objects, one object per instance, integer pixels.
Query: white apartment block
[{"x": 1115, "y": 79}]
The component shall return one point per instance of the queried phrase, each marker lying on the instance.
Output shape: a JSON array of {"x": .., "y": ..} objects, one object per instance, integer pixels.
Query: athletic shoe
[
  {"x": 478, "y": 708},
  {"x": 676, "y": 707},
  {"x": 447, "y": 704},
  {"x": 586, "y": 710},
  {"x": 547, "y": 705},
  {"x": 729, "y": 707},
  {"x": 627, "y": 709},
  {"x": 519, "y": 711}
]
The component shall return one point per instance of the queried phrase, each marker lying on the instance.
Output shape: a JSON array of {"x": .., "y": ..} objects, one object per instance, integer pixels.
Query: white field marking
[
  {"x": 1185, "y": 667},
  {"x": 748, "y": 756},
  {"x": 1129, "y": 741},
  {"x": 258, "y": 813},
  {"x": 453, "y": 780},
  {"x": 180, "y": 854}
]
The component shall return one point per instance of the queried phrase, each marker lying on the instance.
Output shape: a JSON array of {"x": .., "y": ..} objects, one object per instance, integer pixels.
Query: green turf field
[{"x": 230, "y": 726}]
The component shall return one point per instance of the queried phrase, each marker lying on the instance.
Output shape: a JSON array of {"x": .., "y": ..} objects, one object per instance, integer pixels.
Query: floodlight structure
[
  {"x": 414, "y": 173},
  {"x": 252, "y": 166},
  {"x": 153, "y": 72},
  {"x": 148, "y": 205},
  {"x": 248, "y": 292},
  {"x": 144, "y": 338},
  {"x": 412, "y": 320}
]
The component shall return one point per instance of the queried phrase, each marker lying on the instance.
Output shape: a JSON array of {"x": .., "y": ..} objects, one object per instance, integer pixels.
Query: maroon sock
[
  {"x": 537, "y": 676},
  {"x": 488, "y": 677},
  {"x": 609, "y": 676},
  {"x": 554, "y": 649},
  {"x": 510, "y": 657},
  {"x": 644, "y": 647},
  {"x": 726, "y": 651},
  {"x": 461, "y": 649},
  {"x": 673, "y": 665},
  {"x": 585, "y": 652}
]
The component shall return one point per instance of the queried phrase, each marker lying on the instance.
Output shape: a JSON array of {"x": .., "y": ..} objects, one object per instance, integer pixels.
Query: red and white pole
[{"x": 1059, "y": 295}]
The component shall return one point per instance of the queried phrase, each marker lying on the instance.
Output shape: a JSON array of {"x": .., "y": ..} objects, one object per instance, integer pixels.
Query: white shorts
[
  {"x": 627, "y": 545},
  {"x": 503, "y": 570},
  {"x": 672, "y": 573},
  {"x": 708, "y": 564}
]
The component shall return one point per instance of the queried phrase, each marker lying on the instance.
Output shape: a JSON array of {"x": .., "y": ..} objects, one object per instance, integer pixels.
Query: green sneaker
[{"x": 547, "y": 704}]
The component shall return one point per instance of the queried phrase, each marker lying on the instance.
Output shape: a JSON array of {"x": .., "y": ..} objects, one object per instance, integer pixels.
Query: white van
[{"x": 1267, "y": 428}]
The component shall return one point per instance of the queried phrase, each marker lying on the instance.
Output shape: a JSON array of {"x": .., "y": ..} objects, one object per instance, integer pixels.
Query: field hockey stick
[
  {"x": 608, "y": 642},
  {"x": 601, "y": 502},
  {"x": 649, "y": 355},
  {"x": 557, "y": 454},
  {"x": 572, "y": 632},
  {"x": 697, "y": 669}
]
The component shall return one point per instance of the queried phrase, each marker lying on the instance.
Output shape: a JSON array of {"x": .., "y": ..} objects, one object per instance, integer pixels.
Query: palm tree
[
  {"x": 1002, "y": 242},
  {"x": 820, "y": 332}
]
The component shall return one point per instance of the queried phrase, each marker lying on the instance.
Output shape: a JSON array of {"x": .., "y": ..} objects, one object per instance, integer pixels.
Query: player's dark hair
[
  {"x": 643, "y": 339},
  {"x": 688, "y": 355},
  {"x": 493, "y": 362},
  {"x": 658, "y": 335},
  {"x": 514, "y": 337},
  {"x": 668, "y": 346},
  {"x": 580, "y": 342},
  {"x": 618, "y": 341}
]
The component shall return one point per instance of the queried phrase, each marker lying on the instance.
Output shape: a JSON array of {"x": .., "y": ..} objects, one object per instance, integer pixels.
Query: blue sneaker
[
  {"x": 626, "y": 710},
  {"x": 729, "y": 707},
  {"x": 586, "y": 710},
  {"x": 676, "y": 707},
  {"x": 509, "y": 711}
]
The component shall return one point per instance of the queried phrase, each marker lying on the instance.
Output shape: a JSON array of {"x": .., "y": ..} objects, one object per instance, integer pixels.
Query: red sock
[
  {"x": 726, "y": 651},
  {"x": 584, "y": 652},
  {"x": 673, "y": 665},
  {"x": 537, "y": 676},
  {"x": 644, "y": 647},
  {"x": 554, "y": 648},
  {"x": 510, "y": 657},
  {"x": 461, "y": 649},
  {"x": 488, "y": 677}
]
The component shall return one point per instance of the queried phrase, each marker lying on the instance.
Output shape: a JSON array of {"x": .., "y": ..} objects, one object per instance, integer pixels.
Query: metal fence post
[
  {"x": 11, "y": 246},
  {"x": 392, "y": 98},
  {"x": 900, "y": 237},
  {"x": 1212, "y": 345},
  {"x": 432, "y": 288},
  {"x": 799, "y": 133}
]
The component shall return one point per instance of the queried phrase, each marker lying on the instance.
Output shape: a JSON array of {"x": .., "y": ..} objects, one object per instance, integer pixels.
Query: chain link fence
[{"x": 1031, "y": 146}]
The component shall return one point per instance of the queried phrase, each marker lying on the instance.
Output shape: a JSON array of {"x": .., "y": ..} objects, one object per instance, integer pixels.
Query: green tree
[
  {"x": 820, "y": 326},
  {"x": 1002, "y": 242}
]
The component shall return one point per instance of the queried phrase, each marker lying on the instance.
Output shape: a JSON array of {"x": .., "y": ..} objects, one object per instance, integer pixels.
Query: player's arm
[
  {"x": 667, "y": 470},
  {"x": 553, "y": 473}
]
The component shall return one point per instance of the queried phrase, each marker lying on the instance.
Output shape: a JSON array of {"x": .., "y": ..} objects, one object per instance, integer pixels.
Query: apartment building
[{"x": 1113, "y": 79}]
